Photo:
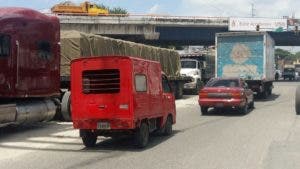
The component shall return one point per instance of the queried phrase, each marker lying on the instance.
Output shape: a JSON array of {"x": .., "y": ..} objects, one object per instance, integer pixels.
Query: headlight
[{"x": 195, "y": 72}]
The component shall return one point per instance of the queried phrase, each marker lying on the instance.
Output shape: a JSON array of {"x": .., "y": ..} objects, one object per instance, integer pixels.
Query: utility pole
[{"x": 252, "y": 10}]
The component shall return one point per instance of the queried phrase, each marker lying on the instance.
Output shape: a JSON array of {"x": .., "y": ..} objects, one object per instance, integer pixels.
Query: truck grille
[{"x": 101, "y": 81}]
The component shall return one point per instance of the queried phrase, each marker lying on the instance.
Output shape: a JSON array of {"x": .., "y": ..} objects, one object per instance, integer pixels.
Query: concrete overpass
[{"x": 161, "y": 29}]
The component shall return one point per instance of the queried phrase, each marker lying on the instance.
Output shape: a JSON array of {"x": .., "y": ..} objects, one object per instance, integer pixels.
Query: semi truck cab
[{"x": 192, "y": 68}]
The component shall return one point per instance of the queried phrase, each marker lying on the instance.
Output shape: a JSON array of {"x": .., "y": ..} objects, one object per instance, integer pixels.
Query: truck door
[
  {"x": 168, "y": 97},
  {"x": 6, "y": 67}
]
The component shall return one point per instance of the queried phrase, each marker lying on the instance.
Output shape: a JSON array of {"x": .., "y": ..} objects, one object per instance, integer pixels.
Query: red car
[{"x": 226, "y": 93}]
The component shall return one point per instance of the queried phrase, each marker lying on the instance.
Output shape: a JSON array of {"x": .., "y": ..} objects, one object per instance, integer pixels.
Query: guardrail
[{"x": 143, "y": 19}]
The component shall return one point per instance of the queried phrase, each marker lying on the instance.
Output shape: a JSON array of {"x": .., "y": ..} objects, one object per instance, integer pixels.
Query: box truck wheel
[
  {"x": 89, "y": 139},
  {"x": 297, "y": 101},
  {"x": 65, "y": 106},
  {"x": 168, "y": 126},
  {"x": 141, "y": 136},
  {"x": 264, "y": 94}
]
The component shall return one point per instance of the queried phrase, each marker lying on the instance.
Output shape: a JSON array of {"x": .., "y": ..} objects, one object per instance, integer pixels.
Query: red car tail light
[
  {"x": 238, "y": 94},
  {"x": 203, "y": 95}
]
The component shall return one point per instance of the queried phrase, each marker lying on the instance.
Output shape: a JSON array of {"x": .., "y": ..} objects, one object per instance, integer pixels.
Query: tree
[
  {"x": 297, "y": 55},
  {"x": 283, "y": 54},
  {"x": 116, "y": 10}
]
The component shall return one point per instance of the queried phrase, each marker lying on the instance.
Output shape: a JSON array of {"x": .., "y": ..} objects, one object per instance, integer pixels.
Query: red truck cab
[{"x": 113, "y": 95}]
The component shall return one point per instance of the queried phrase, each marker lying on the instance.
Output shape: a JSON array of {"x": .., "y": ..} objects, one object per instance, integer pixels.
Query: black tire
[
  {"x": 141, "y": 136},
  {"x": 199, "y": 85},
  {"x": 297, "y": 101},
  {"x": 88, "y": 138},
  {"x": 168, "y": 126},
  {"x": 264, "y": 94},
  {"x": 66, "y": 106},
  {"x": 251, "y": 105},
  {"x": 270, "y": 91},
  {"x": 204, "y": 110},
  {"x": 244, "y": 109}
]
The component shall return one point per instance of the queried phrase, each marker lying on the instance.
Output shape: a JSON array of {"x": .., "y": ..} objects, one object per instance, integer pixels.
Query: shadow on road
[
  {"x": 272, "y": 97},
  {"x": 185, "y": 97},
  {"x": 228, "y": 112},
  {"x": 11, "y": 136},
  {"x": 17, "y": 130},
  {"x": 289, "y": 81},
  {"x": 126, "y": 143}
]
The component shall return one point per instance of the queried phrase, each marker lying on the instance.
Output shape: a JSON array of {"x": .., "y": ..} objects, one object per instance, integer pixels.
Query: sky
[
  {"x": 209, "y": 8},
  {"x": 241, "y": 8}
]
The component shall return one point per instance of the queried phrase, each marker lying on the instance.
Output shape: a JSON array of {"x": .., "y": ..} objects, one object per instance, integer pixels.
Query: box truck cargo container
[{"x": 249, "y": 55}]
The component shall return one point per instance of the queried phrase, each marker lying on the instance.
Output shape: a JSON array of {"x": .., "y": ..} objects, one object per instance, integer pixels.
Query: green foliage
[
  {"x": 297, "y": 55},
  {"x": 283, "y": 54},
  {"x": 116, "y": 10},
  {"x": 102, "y": 6}
]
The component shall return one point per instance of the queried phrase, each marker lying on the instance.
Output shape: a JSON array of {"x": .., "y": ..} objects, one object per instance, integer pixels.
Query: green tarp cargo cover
[{"x": 77, "y": 44}]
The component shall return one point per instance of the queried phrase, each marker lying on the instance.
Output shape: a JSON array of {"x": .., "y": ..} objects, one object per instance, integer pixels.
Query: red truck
[
  {"x": 116, "y": 95},
  {"x": 29, "y": 66}
]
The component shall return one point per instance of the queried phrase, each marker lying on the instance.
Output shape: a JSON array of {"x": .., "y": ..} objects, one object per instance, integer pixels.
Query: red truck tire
[
  {"x": 141, "y": 136},
  {"x": 89, "y": 139},
  {"x": 168, "y": 126}
]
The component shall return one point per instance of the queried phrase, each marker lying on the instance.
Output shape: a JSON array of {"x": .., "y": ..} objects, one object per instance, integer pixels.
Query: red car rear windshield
[{"x": 223, "y": 83}]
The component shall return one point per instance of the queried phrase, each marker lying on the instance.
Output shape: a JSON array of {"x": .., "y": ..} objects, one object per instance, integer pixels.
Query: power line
[{"x": 217, "y": 8}]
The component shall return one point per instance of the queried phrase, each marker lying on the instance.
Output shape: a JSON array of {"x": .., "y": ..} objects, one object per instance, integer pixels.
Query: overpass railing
[{"x": 157, "y": 20}]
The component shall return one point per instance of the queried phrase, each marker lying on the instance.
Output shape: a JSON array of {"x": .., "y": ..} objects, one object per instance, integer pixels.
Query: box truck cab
[
  {"x": 192, "y": 68},
  {"x": 116, "y": 95}
]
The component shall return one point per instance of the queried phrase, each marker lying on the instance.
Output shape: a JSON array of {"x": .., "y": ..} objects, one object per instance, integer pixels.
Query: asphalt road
[{"x": 267, "y": 138}]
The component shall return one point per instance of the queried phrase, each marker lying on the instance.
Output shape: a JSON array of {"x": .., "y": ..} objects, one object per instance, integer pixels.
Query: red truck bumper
[
  {"x": 104, "y": 124},
  {"x": 222, "y": 102}
]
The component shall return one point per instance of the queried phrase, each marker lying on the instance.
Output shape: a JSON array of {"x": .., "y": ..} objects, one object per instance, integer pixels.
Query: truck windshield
[
  {"x": 289, "y": 70},
  {"x": 223, "y": 83},
  {"x": 188, "y": 64}
]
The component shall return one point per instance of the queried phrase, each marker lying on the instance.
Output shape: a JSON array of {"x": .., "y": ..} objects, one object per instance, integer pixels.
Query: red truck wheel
[
  {"x": 88, "y": 138},
  {"x": 142, "y": 135},
  {"x": 168, "y": 126}
]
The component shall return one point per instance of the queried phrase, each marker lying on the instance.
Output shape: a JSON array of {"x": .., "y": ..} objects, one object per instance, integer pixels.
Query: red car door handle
[{"x": 102, "y": 106}]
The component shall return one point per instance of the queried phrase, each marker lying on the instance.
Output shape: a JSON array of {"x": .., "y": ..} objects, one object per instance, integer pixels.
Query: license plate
[
  {"x": 219, "y": 105},
  {"x": 103, "y": 125}
]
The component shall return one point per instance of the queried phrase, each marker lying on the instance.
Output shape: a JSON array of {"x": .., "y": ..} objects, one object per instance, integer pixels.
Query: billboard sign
[{"x": 250, "y": 24}]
